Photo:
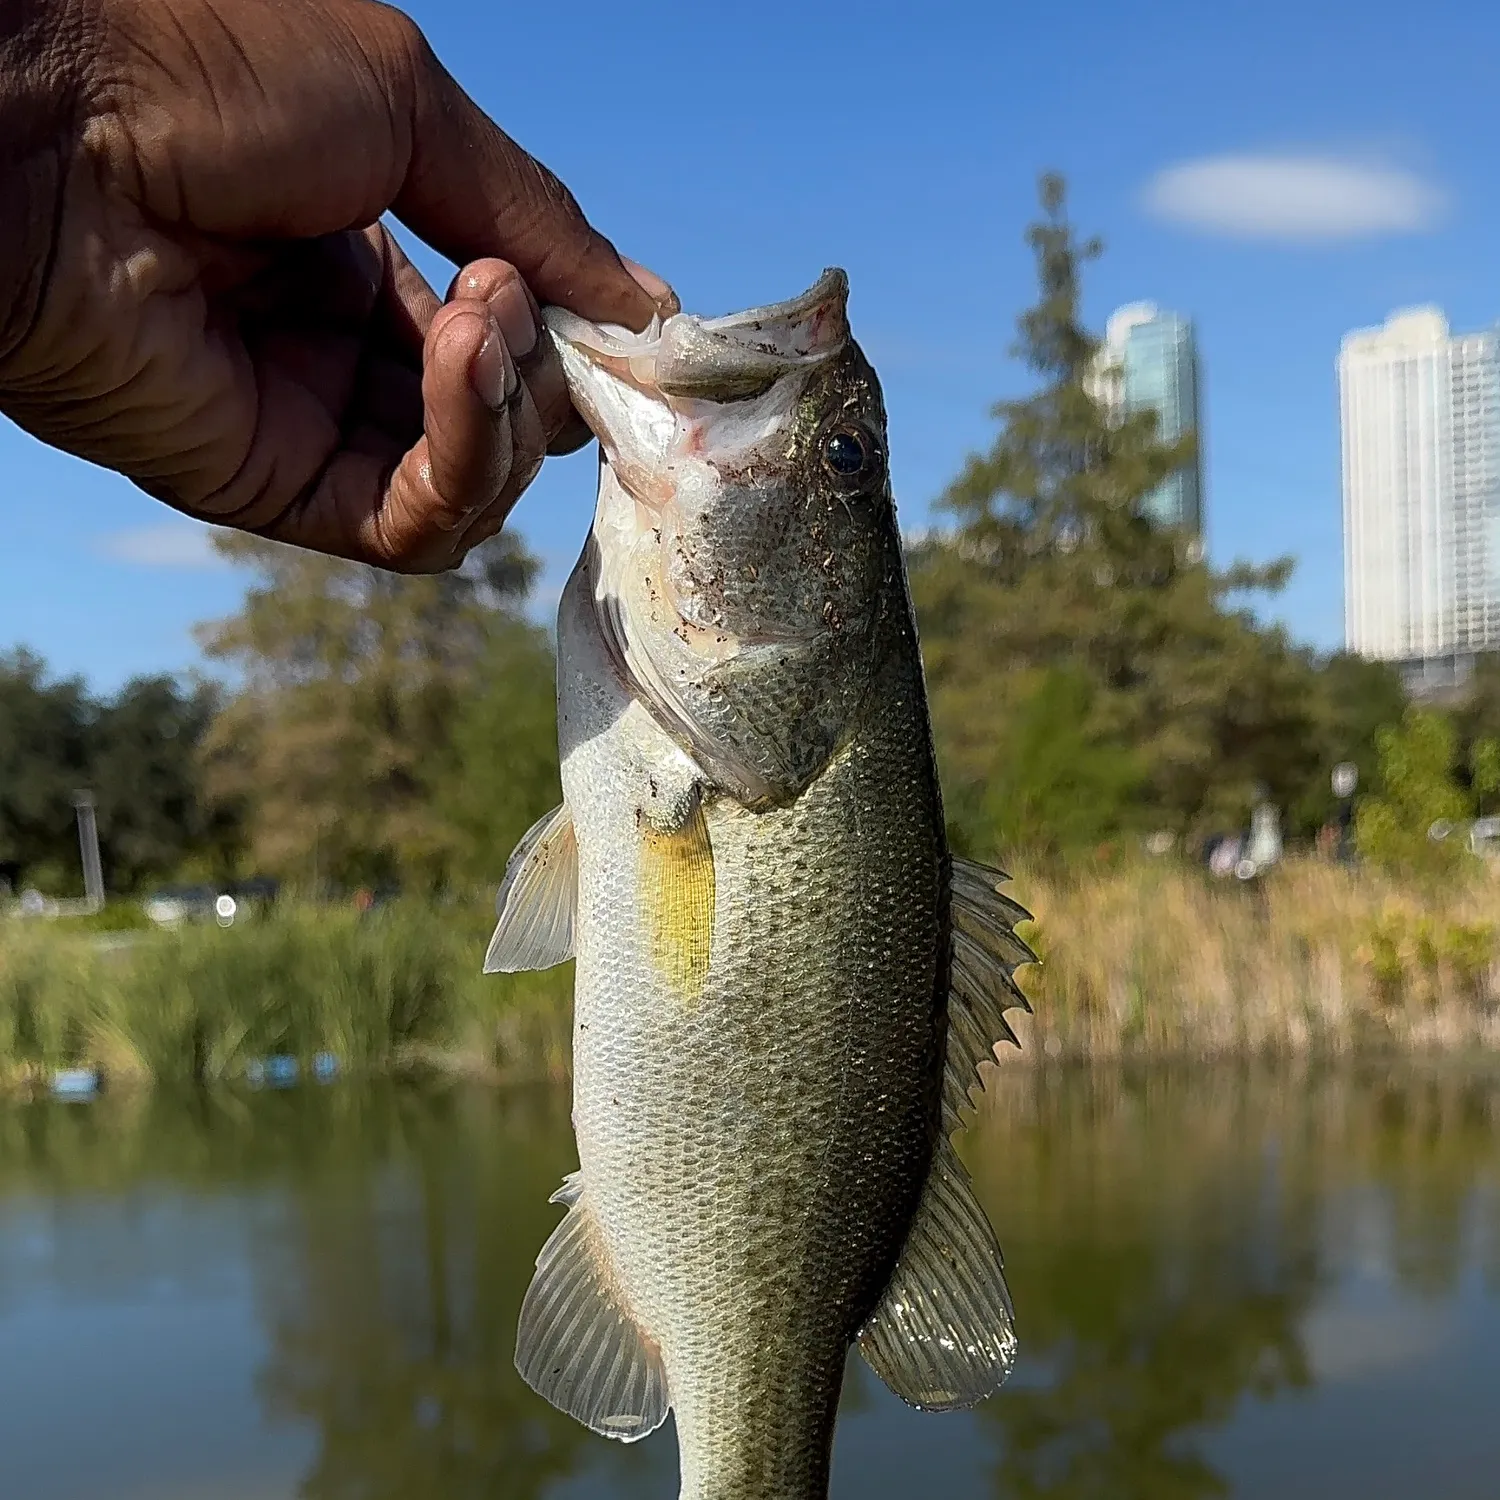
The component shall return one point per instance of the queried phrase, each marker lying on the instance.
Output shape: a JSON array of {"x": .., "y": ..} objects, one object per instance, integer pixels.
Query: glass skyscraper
[
  {"x": 1420, "y": 420},
  {"x": 1149, "y": 362}
]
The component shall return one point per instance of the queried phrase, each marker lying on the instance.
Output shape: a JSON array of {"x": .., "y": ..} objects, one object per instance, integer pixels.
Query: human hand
[{"x": 195, "y": 288}]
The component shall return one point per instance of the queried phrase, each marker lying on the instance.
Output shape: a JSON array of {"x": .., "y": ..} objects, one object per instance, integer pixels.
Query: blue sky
[{"x": 739, "y": 149}]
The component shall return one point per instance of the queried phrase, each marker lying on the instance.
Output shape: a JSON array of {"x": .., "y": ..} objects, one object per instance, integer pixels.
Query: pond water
[{"x": 1228, "y": 1282}]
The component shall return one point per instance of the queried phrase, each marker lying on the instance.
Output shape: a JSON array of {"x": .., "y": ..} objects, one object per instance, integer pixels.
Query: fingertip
[
  {"x": 468, "y": 381},
  {"x": 492, "y": 373},
  {"x": 606, "y": 288},
  {"x": 467, "y": 349},
  {"x": 663, "y": 298}
]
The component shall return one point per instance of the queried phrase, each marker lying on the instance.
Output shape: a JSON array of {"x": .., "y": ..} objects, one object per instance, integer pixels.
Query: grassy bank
[
  {"x": 397, "y": 988},
  {"x": 1152, "y": 960}
]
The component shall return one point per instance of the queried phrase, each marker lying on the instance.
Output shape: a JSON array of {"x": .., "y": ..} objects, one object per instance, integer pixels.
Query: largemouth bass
[{"x": 785, "y": 985}]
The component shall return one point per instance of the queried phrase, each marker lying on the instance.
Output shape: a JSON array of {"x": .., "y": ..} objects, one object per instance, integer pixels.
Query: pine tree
[{"x": 1054, "y": 565}]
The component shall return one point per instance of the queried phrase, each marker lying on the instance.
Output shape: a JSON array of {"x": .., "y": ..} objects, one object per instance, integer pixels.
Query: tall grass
[
  {"x": 1158, "y": 959},
  {"x": 400, "y": 987},
  {"x": 1150, "y": 960}
]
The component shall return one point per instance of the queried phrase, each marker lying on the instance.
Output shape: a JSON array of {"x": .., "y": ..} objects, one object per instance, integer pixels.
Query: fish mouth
[{"x": 731, "y": 358}]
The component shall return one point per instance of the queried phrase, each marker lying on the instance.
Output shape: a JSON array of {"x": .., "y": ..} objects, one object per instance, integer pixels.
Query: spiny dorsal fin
[
  {"x": 578, "y": 1345},
  {"x": 536, "y": 899},
  {"x": 943, "y": 1335},
  {"x": 983, "y": 910},
  {"x": 986, "y": 955}
]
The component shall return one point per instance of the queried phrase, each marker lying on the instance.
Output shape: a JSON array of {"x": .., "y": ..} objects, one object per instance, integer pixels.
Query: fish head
[{"x": 744, "y": 544}]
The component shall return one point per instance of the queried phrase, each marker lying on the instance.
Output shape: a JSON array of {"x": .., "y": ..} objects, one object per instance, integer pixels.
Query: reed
[
  {"x": 398, "y": 988},
  {"x": 1150, "y": 960},
  {"x": 1161, "y": 960}
]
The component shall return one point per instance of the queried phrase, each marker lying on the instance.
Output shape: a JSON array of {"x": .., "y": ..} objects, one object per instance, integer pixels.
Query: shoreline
[{"x": 1149, "y": 962}]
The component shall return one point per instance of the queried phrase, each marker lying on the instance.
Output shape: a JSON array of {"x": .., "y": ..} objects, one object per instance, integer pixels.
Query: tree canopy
[
  {"x": 135, "y": 753},
  {"x": 389, "y": 729}
]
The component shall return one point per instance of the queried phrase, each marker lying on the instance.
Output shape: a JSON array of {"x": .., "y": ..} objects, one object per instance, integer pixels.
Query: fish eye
[{"x": 846, "y": 453}]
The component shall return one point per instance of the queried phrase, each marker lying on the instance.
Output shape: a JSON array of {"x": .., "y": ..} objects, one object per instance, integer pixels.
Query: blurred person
[{"x": 196, "y": 289}]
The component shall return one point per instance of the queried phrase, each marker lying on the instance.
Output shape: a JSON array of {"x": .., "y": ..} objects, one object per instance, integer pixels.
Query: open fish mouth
[{"x": 714, "y": 359}]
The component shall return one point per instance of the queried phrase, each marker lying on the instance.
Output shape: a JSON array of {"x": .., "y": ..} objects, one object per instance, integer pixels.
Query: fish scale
[{"x": 757, "y": 891}]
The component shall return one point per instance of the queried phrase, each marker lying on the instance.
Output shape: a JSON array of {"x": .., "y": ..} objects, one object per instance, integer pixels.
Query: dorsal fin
[
  {"x": 986, "y": 954},
  {"x": 578, "y": 1344},
  {"x": 537, "y": 898}
]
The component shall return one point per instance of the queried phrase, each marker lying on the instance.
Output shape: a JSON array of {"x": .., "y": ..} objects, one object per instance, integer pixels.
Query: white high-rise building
[{"x": 1420, "y": 419}]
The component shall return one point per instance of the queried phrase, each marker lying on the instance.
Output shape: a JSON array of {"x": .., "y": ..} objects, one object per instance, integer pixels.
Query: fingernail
[
  {"x": 654, "y": 287},
  {"x": 517, "y": 322},
  {"x": 492, "y": 372}
]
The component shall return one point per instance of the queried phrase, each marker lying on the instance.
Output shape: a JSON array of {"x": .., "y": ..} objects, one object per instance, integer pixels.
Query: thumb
[{"x": 471, "y": 192}]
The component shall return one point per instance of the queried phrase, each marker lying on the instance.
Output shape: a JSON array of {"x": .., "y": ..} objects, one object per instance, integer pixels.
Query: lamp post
[
  {"x": 1345, "y": 779},
  {"x": 88, "y": 847}
]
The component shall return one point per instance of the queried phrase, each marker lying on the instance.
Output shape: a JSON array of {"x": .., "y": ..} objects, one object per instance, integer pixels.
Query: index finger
[{"x": 470, "y": 191}]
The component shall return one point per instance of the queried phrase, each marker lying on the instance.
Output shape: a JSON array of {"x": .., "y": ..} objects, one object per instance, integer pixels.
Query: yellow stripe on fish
[{"x": 677, "y": 899}]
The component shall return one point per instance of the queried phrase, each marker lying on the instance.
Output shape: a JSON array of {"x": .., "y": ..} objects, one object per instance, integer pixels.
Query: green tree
[
  {"x": 1053, "y": 784},
  {"x": 44, "y": 758},
  {"x": 138, "y": 755},
  {"x": 1418, "y": 794},
  {"x": 1352, "y": 700},
  {"x": 1484, "y": 772},
  {"x": 502, "y": 773},
  {"x": 146, "y": 779},
  {"x": 350, "y": 747},
  {"x": 1055, "y": 566}
]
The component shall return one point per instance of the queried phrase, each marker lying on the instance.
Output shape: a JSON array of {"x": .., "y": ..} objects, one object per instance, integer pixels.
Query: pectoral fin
[
  {"x": 578, "y": 1344},
  {"x": 943, "y": 1336},
  {"x": 537, "y": 899}
]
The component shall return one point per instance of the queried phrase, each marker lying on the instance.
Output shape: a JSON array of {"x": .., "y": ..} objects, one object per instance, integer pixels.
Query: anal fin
[
  {"x": 537, "y": 899},
  {"x": 943, "y": 1336},
  {"x": 578, "y": 1344}
]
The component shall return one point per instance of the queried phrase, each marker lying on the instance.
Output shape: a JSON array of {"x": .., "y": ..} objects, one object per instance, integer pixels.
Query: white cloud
[
  {"x": 1300, "y": 198},
  {"x": 173, "y": 544}
]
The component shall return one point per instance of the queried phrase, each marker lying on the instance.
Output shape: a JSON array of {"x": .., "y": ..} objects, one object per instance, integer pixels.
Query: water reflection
[
  {"x": 1180, "y": 1243},
  {"x": 1229, "y": 1282},
  {"x": 392, "y": 1296},
  {"x": 1164, "y": 1253}
]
